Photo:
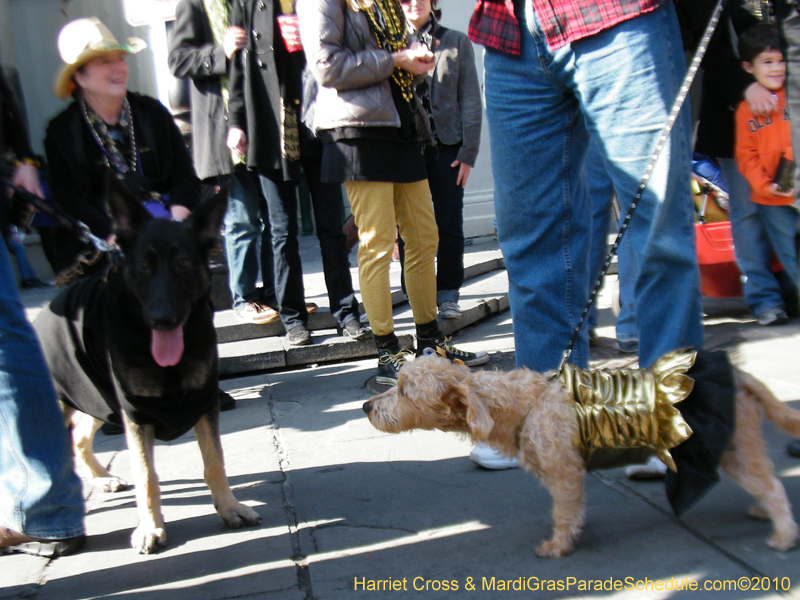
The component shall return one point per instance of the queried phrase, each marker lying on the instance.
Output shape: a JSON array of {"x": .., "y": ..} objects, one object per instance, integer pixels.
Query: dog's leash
[
  {"x": 662, "y": 140},
  {"x": 79, "y": 228}
]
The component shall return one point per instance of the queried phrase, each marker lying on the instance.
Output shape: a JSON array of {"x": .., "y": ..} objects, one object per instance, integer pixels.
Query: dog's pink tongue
[{"x": 167, "y": 347}]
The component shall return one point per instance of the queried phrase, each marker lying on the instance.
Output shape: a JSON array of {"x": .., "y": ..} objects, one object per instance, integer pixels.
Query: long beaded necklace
[
  {"x": 389, "y": 27},
  {"x": 114, "y": 156}
]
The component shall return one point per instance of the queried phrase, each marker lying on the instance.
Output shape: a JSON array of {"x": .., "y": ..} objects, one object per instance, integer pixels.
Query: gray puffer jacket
[{"x": 352, "y": 71}]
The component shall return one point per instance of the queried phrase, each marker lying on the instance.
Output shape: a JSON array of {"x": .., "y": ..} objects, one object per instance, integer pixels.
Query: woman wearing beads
[
  {"x": 365, "y": 115},
  {"x": 106, "y": 126}
]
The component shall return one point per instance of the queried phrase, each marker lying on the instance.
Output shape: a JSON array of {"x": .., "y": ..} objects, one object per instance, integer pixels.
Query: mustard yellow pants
[{"x": 377, "y": 207}]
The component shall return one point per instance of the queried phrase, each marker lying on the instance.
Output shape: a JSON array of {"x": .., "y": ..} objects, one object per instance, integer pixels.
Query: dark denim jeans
[
  {"x": 327, "y": 200},
  {"x": 281, "y": 199},
  {"x": 448, "y": 206}
]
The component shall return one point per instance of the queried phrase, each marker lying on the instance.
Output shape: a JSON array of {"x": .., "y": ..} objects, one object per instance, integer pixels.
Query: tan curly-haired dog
[{"x": 521, "y": 413}]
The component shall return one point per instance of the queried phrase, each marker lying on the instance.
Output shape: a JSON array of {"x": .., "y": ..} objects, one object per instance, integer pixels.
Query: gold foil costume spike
[{"x": 626, "y": 415}]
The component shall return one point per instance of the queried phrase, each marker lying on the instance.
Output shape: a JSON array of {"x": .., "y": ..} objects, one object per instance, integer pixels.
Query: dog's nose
[{"x": 367, "y": 406}]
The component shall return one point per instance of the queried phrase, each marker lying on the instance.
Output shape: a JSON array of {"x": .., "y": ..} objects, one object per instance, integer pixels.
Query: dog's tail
[{"x": 776, "y": 411}]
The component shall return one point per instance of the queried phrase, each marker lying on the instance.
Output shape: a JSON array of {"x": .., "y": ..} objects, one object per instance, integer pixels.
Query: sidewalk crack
[{"x": 299, "y": 558}]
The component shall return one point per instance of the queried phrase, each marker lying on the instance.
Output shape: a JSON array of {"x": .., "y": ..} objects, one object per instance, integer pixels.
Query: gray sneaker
[
  {"x": 772, "y": 316},
  {"x": 354, "y": 330},
  {"x": 449, "y": 310},
  {"x": 298, "y": 336}
]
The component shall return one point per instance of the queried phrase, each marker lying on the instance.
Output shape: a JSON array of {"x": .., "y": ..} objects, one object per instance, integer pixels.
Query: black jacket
[
  {"x": 193, "y": 54},
  {"x": 78, "y": 169},
  {"x": 263, "y": 76},
  {"x": 724, "y": 82},
  {"x": 13, "y": 138}
]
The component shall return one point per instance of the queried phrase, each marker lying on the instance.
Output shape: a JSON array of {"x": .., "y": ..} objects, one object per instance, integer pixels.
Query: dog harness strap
[{"x": 630, "y": 409}]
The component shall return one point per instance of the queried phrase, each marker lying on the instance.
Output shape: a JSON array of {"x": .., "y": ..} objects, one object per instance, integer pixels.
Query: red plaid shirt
[{"x": 495, "y": 25}]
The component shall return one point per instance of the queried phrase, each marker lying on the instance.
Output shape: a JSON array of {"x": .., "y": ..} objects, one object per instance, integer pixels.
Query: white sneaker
[
  {"x": 772, "y": 316},
  {"x": 487, "y": 457},
  {"x": 652, "y": 469},
  {"x": 449, "y": 310}
]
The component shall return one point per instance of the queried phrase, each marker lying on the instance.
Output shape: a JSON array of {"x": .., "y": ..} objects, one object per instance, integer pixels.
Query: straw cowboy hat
[{"x": 82, "y": 40}]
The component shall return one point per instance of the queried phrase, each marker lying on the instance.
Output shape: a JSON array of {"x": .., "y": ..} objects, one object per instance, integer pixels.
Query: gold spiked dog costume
[{"x": 680, "y": 409}]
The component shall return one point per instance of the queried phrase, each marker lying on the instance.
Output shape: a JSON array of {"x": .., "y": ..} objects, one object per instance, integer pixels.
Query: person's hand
[
  {"x": 235, "y": 39},
  {"x": 761, "y": 100},
  {"x": 773, "y": 188},
  {"x": 237, "y": 140},
  {"x": 463, "y": 173},
  {"x": 27, "y": 177},
  {"x": 179, "y": 212},
  {"x": 415, "y": 59}
]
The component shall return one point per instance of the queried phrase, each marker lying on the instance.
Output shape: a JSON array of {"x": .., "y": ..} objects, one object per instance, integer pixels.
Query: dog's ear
[
  {"x": 479, "y": 419},
  {"x": 207, "y": 218},
  {"x": 126, "y": 210},
  {"x": 472, "y": 410},
  {"x": 454, "y": 398},
  {"x": 469, "y": 408}
]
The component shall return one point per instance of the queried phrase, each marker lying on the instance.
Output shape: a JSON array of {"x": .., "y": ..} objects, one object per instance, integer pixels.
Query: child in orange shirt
[{"x": 761, "y": 142}]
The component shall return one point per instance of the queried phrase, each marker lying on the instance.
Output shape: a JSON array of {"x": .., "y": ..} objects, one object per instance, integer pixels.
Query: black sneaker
[
  {"x": 355, "y": 330},
  {"x": 226, "y": 401},
  {"x": 793, "y": 448},
  {"x": 389, "y": 365},
  {"x": 442, "y": 347},
  {"x": 112, "y": 428},
  {"x": 298, "y": 336}
]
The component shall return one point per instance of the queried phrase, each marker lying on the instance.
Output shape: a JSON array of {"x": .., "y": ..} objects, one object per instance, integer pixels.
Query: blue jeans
[
  {"x": 40, "y": 495},
  {"x": 750, "y": 242},
  {"x": 601, "y": 192},
  {"x": 26, "y": 271},
  {"x": 248, "y": 243},
  {"x": 780, "y": 223},
  {"x": 616, "y": 86}
]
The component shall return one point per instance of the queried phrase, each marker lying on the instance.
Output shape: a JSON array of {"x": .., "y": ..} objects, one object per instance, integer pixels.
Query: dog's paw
[
  {"x": 110, "y": 484},
  {"x": 783, "y": 540},
  {"x": 148, "y": 540},
  {"x": 239, "y": 515},
  {"x": 553, "y": 549},
  {"x": 758, "y": 513}
]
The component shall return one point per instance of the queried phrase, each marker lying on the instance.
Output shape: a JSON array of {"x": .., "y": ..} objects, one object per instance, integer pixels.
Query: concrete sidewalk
[{"x": 344, "y": 505}]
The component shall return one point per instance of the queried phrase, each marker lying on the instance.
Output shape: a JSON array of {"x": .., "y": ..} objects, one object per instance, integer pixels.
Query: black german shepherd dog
[{"x": 139, "y": 347}]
